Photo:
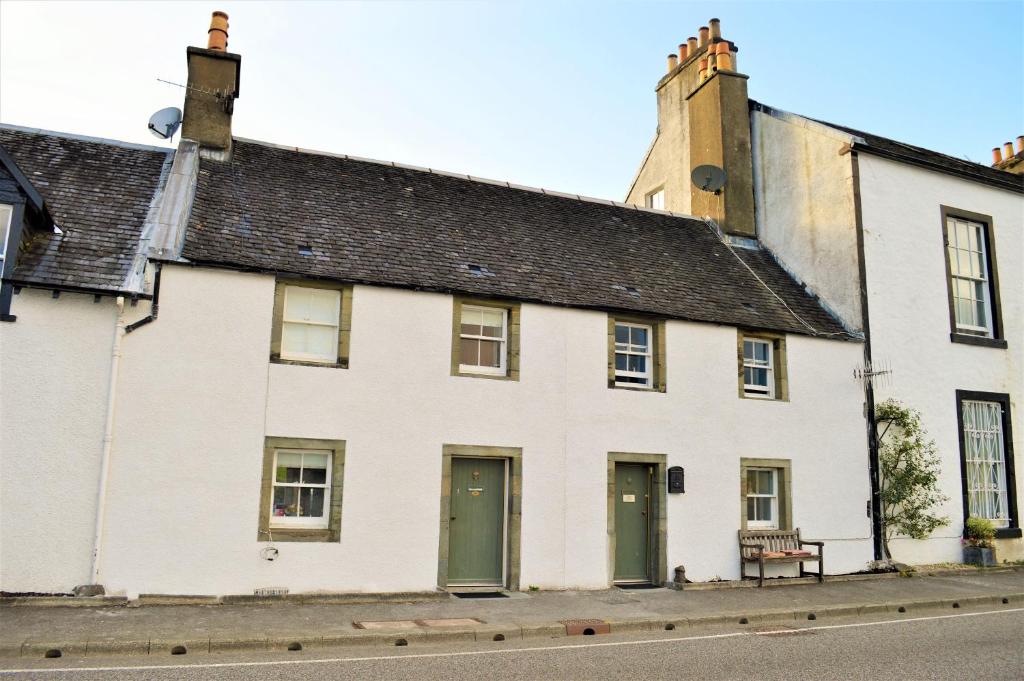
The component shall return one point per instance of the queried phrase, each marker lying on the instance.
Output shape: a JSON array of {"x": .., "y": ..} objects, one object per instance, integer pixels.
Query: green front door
[
  {"x": 476, "y": 540},
  {"x": 632, "y": 522}
]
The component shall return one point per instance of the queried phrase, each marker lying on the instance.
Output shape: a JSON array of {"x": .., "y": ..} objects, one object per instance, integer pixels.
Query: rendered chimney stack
[
  {"x": 997, "y": 156},
  {"x": 673, "y": 62},
  {"x": 217, "y": 36},
  {"x": 715, "y": 27},
  {"x": 213, "y": 76},
  {"x": 683, "y": 50},
  {"x": 704, "y": 34}
]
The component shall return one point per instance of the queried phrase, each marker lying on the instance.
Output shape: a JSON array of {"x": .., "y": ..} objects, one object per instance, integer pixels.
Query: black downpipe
[
  {"x": 869, "y": 390},
  {"x": 154, "y": 308}
]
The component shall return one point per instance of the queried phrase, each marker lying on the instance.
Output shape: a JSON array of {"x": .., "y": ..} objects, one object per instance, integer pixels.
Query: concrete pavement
[{"x": 30, "y": 632}]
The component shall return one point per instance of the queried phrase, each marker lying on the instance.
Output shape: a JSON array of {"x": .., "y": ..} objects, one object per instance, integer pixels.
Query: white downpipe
[{"x": 108, "y": 439}]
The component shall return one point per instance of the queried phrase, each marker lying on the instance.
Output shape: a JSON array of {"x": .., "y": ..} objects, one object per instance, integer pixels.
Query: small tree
[{"x": 909, "y": 471}]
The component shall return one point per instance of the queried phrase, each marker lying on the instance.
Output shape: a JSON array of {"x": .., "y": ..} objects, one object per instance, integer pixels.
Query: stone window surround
[
  {"x": 785, "y": 489},
  {"x": 1014, "y": 530},
  {"x": 332, "y": 533},
  {"x": 513, "y": 508},
  {"x": 779, "y": 368},
  {"x": 513, "y": 311},
  {"x": 957, "y": 335},
  {"x": 344, "y": 323},
  {"x": 658, "y": 372},
  {"x": 659, "y": 555}
]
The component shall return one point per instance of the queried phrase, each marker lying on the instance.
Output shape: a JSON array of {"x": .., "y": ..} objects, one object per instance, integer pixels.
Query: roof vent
[
  {"x": 629, "y": 290},
  {"x": 479, "y": 270},
  {"x": 305, "y": 250}
]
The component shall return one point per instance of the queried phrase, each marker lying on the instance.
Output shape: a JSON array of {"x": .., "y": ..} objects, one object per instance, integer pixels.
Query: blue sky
[{"x": 559, "y": 95}]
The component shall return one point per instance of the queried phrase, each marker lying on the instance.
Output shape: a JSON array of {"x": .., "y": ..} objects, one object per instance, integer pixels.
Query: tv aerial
[
  {"x": 165, "y": 122},
  {"x": 708, "y": 178}
]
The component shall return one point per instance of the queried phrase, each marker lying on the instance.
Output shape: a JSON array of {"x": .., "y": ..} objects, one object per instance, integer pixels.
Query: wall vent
[{"x": 271, "y": 591}]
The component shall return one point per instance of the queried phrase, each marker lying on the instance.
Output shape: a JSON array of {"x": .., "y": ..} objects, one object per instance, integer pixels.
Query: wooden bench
[{"x": 778, "y": 546}]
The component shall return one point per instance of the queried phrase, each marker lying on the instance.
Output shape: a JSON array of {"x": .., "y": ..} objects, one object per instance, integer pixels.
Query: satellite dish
[
  {"x": 165, "y": 122},
  {"x": 708, "y": 178}
]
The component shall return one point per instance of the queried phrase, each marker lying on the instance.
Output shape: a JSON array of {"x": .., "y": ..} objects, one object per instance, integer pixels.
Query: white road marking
[{"x": 506, "y": 651}]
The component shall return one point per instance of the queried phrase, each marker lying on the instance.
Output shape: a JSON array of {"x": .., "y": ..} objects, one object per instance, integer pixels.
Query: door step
[{"x": 479, "y": 594}]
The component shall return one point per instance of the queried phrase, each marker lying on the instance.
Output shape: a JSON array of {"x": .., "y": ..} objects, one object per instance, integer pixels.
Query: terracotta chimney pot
[
  {"x": 1020, "y": 144},
  {"x": 704, "y": 34},
  {"x": 716, "y": 28},
  {"x": 724, "y": 57},
  {"x": 1007, "y": 150},
  {"x": 673, "y": 62},
  {"x": 996, "y": 156},
  {"x": 683, "y": 49},
  {"x": 217, "y": 36},
  {"x": 702, "y": 70}
]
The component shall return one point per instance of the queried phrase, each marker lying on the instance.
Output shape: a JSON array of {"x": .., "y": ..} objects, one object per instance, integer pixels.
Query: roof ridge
[
  {"x": 470, "y": 178},
  {"x": 863, "y": 134},
  {"x": 85, "y": 138}
]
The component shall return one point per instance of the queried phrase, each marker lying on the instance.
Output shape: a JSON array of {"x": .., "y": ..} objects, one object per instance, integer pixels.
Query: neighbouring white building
[
  {"x": 237, "y": 365},
  {"x": 921, "y": 252}
]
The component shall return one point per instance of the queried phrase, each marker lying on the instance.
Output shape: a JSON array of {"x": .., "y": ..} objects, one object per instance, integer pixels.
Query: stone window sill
[
  {"x": 295, "y": 362},
  {"x": 1009, "y": 533},
  {"x": 982, "y": 341},
  {"x": 282, "y": 534}
]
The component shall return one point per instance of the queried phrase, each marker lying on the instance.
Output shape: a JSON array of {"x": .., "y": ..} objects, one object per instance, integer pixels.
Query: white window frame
[
  {"x": 983, "y": 492},
  {"x": 654, "y": 198},
  {"x": 5, "y": 234},
  {"x": 754, "y": 389},
  {"x": 772, "y": 524},
  {"x": 499, "y": 370},
  {"x": 285, "y": 321},
  {"x": 629, "y": 349},
  {"x": 321, "y": 523},
  {"x": 952, "y": 254}
]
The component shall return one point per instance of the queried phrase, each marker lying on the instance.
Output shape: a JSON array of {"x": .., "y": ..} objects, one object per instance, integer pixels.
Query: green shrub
[{"x": 979, "y": 532}]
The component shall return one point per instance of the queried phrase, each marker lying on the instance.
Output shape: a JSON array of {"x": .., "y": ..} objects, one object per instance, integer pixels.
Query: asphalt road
[{"x": 973, "y": 645}]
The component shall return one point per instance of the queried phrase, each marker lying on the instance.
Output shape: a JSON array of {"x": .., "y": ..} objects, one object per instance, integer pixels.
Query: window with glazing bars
[
  {"x": 633, "y": 362},
  {"x": 302, "y": 488},
  {"x": 483, "y": 340},
  {"x": 762, "y": 498},
  {"x": 758, "y": 368},
  {"x": 985, "y": 461},
  {"x": 968, "y": 268},
  {"x": 309, "y": 325}
]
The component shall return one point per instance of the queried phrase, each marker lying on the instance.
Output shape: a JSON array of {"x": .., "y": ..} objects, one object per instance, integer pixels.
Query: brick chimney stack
[{"x": 213, "y": 77}]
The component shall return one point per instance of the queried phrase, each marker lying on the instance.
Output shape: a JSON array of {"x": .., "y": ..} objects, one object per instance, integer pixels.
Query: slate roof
[
  {"x": 377, "y": 223},
  {"x": 908, "y": 153},
  {"x": 98, "y": 193}
]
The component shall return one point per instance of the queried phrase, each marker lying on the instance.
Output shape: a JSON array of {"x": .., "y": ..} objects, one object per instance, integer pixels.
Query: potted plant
[{"x": 979, "y": 534}]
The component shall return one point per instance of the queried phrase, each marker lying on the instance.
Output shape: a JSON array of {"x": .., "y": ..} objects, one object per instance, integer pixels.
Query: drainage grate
[
  {"x": 586, "y": 627},
  {"x": 480, "y": 594}
]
